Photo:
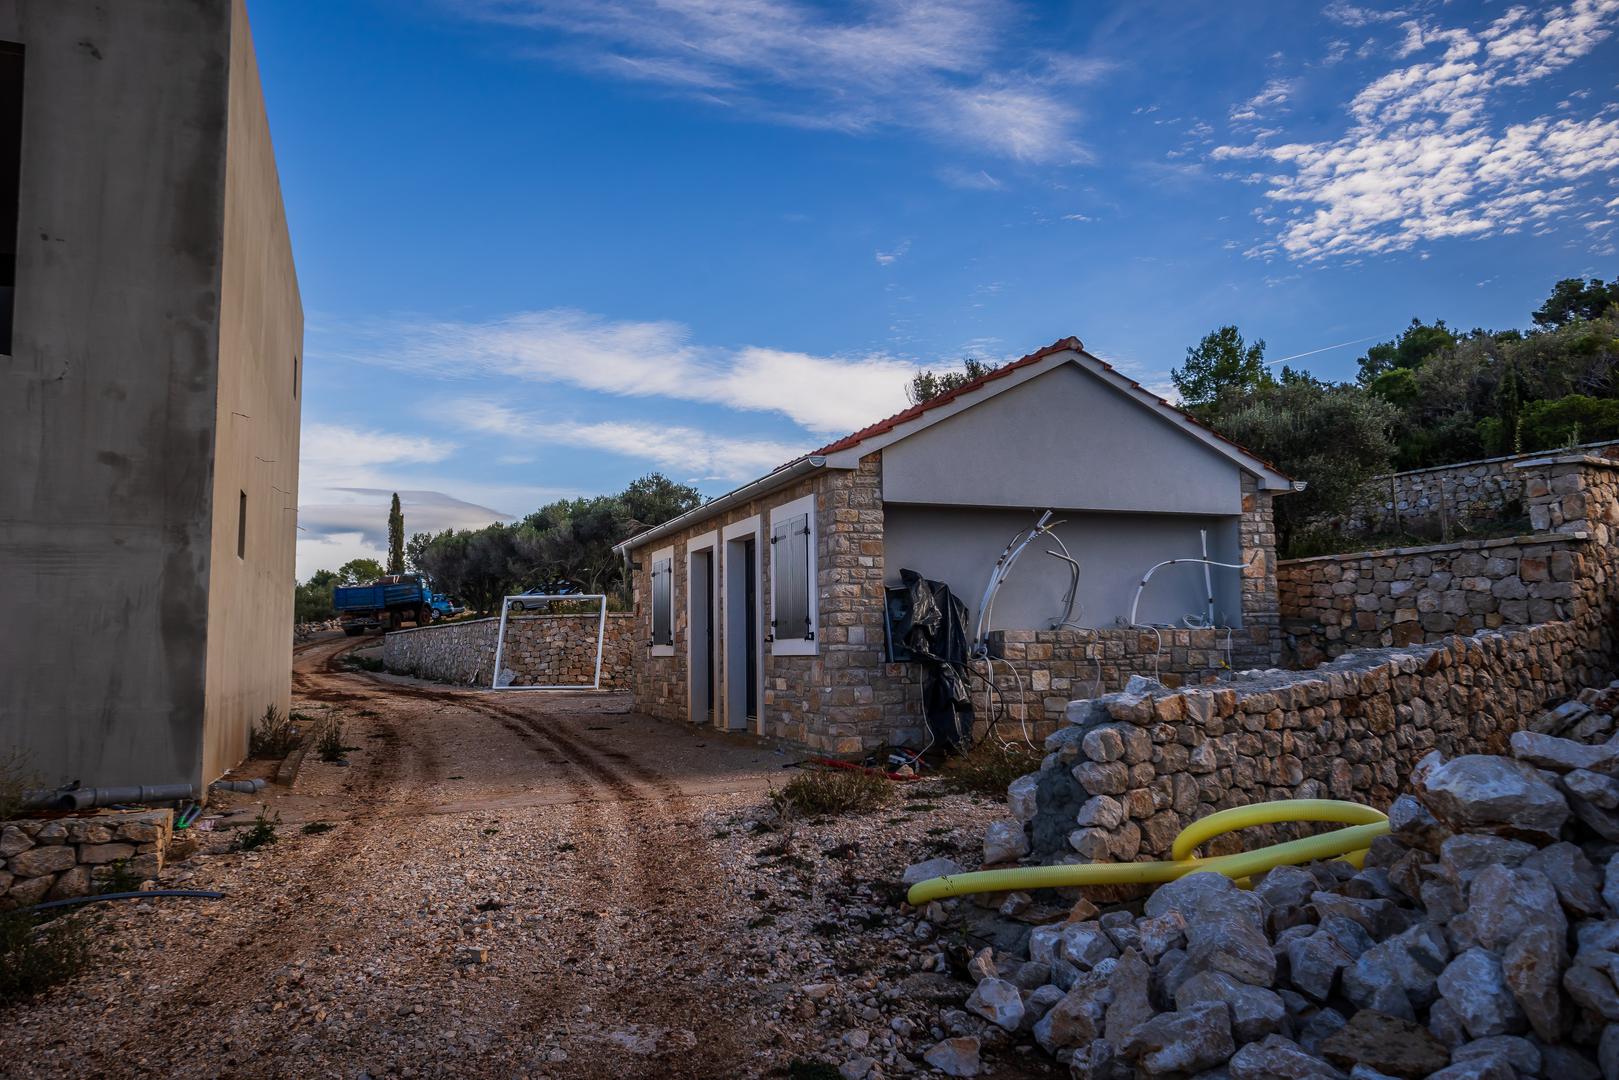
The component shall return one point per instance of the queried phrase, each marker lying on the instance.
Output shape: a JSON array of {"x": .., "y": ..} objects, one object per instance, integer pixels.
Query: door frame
[
  {"x": 701, "y": 606},
  {"x": 733, "y": 665}
]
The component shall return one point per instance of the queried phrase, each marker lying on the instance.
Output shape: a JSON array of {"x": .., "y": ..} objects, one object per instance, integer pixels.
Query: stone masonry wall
[
  {"x": 1469, "y": 490},
  {"x": 1402, "y": 595},
  {"x": 1056, "y": 666},
  {"x": 540, "y": 650},
  {"x": 1398, "y": 596},
  {"x": 62, "y": 856},
  {"x": 1127, "y": 771}
]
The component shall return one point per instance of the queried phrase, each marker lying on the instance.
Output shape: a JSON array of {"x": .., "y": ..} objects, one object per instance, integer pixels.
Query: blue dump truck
[{"x": 385, "y": 604}]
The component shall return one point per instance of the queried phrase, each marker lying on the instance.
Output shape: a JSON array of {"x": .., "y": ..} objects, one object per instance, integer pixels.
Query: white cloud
[
  {"x": 1275, "y": 93},
  {"x": 689, "y": 453},
  {"x": 1423, "y": 159},
  {"x": 1340, "y": 11},
  {"x": 889, "y": 258},
  {"x": 652, "y": 359},
  {"x": 937, "y": 66},
  {"x": 347, "y": 477}
]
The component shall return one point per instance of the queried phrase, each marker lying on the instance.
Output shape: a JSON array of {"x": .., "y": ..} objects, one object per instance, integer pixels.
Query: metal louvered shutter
[
  {"x": 789, "y": 545},
  {"x": 663, "y": 581}
]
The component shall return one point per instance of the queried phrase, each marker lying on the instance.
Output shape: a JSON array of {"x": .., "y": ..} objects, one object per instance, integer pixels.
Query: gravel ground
[{"x": 521, "y": 885}]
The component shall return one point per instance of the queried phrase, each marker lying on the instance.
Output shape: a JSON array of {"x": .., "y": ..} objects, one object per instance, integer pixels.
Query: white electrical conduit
[
  {"x": 997, "y": 576},
  {"x": 1136, "y": 601}
]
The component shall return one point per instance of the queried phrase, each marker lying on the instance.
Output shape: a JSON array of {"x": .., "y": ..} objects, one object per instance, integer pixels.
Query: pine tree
[{"x": 396, "y": 538}]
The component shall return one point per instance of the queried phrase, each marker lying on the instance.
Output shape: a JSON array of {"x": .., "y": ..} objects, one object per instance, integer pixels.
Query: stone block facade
[
  {"x": 1126, "y": 772},
  {"x": 1486, "y": 489},
  {"x": 540, "y": 650},
  {"x": 53, "y": 858},
  {"x": 847, "y": 699}
]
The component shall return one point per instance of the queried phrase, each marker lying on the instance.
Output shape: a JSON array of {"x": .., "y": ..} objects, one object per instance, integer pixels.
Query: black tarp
[{"x": 935, "y": 631}]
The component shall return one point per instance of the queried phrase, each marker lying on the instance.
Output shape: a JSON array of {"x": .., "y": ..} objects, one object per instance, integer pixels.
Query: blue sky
[{"x": 546, "y": 246}]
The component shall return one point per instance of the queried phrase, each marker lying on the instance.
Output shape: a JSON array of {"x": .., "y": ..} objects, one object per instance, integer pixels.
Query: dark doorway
[{"x": 750, "y": 570}]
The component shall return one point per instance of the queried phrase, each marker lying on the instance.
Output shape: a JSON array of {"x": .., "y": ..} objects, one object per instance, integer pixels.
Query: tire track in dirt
[
  {"x": 233, "y": 961},
  {"x": 647, "y": 805}
]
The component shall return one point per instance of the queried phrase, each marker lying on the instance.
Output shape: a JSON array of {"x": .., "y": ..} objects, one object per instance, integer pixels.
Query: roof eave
[{"x": 783, "y": 476}]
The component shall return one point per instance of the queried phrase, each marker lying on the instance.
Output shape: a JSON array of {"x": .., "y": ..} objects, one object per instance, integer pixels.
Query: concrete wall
[
  {"x": 111, "y": 405},
  {"x": 959, "y": 546},
  {"x": 1064, "y": 438},
  {"x": 260, "y": 393}
]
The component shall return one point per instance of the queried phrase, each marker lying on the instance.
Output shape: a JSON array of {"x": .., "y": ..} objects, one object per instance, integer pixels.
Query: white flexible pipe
[{"x": 1134, "y": 603}]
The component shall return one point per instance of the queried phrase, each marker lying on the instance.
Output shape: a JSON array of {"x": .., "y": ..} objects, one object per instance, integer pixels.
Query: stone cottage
[{"x": 766, "y": 609}]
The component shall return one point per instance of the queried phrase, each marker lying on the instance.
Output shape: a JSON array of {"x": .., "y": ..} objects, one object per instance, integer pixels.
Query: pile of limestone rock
[{"x": 1479, "y": 940}]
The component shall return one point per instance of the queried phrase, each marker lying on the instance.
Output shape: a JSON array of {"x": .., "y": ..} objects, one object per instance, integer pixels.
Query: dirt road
[{"x": 514, "y": 885}]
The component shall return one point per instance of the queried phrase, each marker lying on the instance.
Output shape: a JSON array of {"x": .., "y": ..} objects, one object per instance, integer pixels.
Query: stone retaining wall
[
  {"x": 1056, "y": 666},
  {"x": 540, "y": 650},
  {"x": 1485, "y": 489},
  {"x": 1398, "y": 596},
  {"x": 58, "y": 857},
  {"x": 1127, "y": 771}
]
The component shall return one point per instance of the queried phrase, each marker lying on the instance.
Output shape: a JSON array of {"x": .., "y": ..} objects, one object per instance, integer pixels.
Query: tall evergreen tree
[{"x": 396, "y": 538}]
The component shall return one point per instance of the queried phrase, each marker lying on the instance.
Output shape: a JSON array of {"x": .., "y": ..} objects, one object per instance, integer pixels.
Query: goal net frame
[{"x": 601, "y": 637}]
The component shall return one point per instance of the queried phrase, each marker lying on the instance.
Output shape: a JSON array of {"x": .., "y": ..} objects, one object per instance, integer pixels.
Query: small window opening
[
  {"x": 241, "y": 527},
  {"x": 295, "y": 378}
]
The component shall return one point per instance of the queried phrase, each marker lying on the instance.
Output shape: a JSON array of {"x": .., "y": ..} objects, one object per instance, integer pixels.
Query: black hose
[{"x": 200, "y": 894}]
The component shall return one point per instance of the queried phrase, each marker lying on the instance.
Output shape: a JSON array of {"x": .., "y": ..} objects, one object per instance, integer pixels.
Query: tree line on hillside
[
  {"x": 563, "y": 547},
  {"x": 1432, "y": 395}
]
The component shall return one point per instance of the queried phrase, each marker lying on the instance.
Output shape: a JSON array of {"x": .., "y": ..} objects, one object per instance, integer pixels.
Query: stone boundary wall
[
  {"x": 1127, "y": 771},
  {"x": 1399, "y": 596},
  {"x": 1056, "y": 666},
  {"x": 541, "y": 650},
  {"x": 62, "y": 856},
  {"x": 1468, "y": 490}
]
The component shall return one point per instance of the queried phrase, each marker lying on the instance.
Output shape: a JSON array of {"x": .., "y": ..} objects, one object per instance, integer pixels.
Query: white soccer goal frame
[{"x": 601, "y": 638}]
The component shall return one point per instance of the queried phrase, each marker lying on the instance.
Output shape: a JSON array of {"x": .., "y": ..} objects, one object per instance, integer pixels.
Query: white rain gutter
[{"x": 762, "y": 486}]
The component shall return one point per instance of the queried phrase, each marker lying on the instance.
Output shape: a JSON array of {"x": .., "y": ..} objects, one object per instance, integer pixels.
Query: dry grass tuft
[
  {"x": 832, "y": 792},
  {"x": 989, "y": 767}
]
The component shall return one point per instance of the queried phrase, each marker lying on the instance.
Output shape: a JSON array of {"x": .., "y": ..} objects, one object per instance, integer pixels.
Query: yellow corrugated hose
[{"x": 1365, "y": 825}]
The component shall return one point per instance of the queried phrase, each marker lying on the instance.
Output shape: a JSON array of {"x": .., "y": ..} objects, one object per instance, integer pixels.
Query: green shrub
[
  {"x": 36, "y": 955},
  {"x": 1548, "y": 425},
  {"x": 274, "y": 735},
  {"x": 260, "y": 833},
  {"x": 990, "y": 766},
  {"x": 828, "y": 792},
  {"x": 329, "y": 740}
]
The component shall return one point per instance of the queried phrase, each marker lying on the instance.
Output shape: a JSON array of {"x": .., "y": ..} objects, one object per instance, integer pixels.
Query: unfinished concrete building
[{"x": 151, "y": 339}]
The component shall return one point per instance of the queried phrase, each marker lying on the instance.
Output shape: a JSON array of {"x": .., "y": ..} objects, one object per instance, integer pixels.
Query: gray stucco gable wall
[{"x": 1064, "y": 438}]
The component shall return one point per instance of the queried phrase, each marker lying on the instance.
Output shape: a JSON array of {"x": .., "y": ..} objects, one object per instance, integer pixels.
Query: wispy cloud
[
  {"x": 941, "y": 67},
  {"x": 969, "y": 179},
  {"x": 1355, "y": 15},
  {"x": 1423, "y": 159},
  {"x": 832, "y": 394},
  {"x": 687, "y": 452},
  {"x": 347, "y": 477},
  {"x": 1274, "y": 94},
  {"x": 889, "y": 258}
]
